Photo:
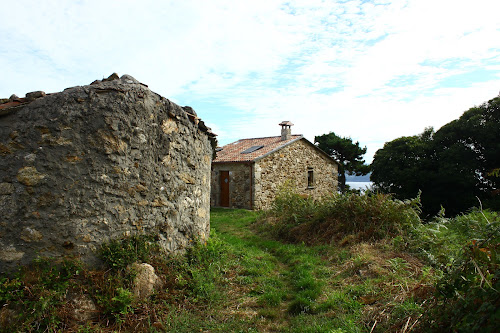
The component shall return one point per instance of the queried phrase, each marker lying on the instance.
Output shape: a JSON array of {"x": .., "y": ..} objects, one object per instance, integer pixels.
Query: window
[
  {"x": 251, "y": 149},
  {"x": 310, "y": 178}
]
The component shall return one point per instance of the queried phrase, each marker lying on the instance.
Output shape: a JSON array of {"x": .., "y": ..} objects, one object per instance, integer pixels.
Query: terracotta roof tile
[
  {"x": 233, "y": 151},
  {"x": 10, "y": 104}
]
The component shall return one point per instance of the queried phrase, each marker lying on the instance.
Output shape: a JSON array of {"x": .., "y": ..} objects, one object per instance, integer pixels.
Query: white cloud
[{"x": 370, "y": 70}]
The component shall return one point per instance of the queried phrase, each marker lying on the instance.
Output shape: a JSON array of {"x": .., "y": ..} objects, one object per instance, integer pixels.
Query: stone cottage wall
[
  {"x": 240, "y": 184},
  {"x": 98, "y": 162},
  {"x": 291, "y": 163}
]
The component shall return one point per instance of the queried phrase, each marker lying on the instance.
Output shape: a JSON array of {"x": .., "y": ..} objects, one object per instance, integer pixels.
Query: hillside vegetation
[
  {"x": 452, "y": 167},
  {"x": 349, "y": 263}
]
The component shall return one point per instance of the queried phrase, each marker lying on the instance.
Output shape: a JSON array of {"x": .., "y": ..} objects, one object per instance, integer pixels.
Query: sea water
[{"x": 359, "y": 185}]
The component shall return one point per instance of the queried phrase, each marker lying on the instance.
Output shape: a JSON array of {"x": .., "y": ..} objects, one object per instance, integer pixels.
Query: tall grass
[
  {"x": 242, "y": 281},
  {"x": 36, "y": 298},
  {"x": 340, "y": 217},
  {"x": 464, "y": 251},
  {"x": 467, "y": 251}
]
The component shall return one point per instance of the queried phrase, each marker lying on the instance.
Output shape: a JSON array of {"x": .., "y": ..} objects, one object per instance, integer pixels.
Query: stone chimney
[{"x": 286, "y": 132}]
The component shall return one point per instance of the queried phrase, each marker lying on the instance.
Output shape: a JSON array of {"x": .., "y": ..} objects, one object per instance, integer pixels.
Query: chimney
[{"x": 286, "y": 132}]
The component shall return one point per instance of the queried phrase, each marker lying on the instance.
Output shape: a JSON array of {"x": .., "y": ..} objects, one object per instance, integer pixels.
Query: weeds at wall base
[{"x": 40, "y": 297}]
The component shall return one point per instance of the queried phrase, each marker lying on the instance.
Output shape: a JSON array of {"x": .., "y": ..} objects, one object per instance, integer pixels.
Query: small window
[
  {"x": 310, "y": 178},
  {"x": 251, "y": 149}
]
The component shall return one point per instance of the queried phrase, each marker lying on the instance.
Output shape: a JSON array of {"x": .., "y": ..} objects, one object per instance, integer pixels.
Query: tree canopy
[
  {"x": 397, "y": 167},
  {"x": 346, "y": 152},
  {"x": 453, "y": 167}
]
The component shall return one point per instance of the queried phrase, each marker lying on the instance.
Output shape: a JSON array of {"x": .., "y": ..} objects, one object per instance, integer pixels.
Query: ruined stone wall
[
  {"x": 240, "y": 184},
  {"x": 98, "y": 162},
  {"x": 291, "y": 163}
]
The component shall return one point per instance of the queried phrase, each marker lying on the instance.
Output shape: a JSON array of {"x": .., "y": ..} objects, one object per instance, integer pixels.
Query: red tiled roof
[
  {"x": 13, "y": 103},
  {"x": 232, "y": 151}
]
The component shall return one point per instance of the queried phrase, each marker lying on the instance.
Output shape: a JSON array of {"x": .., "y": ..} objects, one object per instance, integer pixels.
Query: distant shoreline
[
  {"x": 357, "y": 179},
  {"x": 359, "y": 185}
]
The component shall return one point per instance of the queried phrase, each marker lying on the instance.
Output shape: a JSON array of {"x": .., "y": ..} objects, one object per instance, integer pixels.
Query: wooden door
[{"x": 224, "y": 188}]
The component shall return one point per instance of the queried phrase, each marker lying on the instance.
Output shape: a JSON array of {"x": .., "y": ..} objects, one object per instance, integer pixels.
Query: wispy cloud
[{"x": 372, "y": 70}]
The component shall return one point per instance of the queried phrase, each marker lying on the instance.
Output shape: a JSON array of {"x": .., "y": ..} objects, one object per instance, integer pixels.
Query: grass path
[
  {"x": 278, "y": 287},
  {"x": 283, "y": 287}
]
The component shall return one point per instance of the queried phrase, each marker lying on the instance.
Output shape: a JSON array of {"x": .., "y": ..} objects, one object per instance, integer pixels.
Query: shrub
[
  {"x": 467, "y": 250},
  {"x": 348, "y": 216},
  {"x": 40, "y": 288},
  {"x": 120, "y": 253},
  {"x": 291, "y": 207},
  {"x": 122, "y": 302}
]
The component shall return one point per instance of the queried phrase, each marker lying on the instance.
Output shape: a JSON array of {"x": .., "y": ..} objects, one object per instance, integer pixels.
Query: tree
[
  {"x": 453, "y": 167},
  {"x": 349, "y": 155},
  {"x": 468, "y": 151},
  {"x": 405, "y": 166},
  {"x": 397, "y": 167}
]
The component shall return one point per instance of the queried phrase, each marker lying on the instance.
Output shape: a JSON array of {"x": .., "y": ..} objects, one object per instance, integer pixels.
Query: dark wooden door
[{"x": 224, "y": 188}]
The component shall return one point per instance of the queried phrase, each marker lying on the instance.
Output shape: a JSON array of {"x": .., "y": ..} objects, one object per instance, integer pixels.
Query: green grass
[
  {"x": 457, "y": 257},
  {"x": 299, "y": 288},
  {"x": 245, "y": 279},
  {"x": 241, "y": 280}
]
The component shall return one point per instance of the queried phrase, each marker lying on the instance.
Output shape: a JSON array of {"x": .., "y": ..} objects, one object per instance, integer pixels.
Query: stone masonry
[
  {"x": 292, "y": 163},
  {"x": 99, "y": 162},
  {"x": 249, "y": 173},
  {"x": 240, "y": 186}
]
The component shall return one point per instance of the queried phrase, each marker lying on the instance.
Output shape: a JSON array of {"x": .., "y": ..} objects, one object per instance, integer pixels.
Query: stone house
[
  {"x": 99, "y": 162},
  {"x": 249, "y": 173}
]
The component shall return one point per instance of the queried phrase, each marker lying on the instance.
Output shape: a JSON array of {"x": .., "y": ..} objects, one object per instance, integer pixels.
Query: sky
[{"x": 372, "y": 70}]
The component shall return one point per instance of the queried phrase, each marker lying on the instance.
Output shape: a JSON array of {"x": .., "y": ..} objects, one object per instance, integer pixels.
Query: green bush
[
  {"x": 119, "y": 253},
  {"x": 368, "y": 216},
  {"x": 292, "y": 208},
  {"x": 443, "y": 238},
  {"x": 121, "y": 304},
  {"x": 377, "y": 215},
  {"x": 10, "y": 289},
  {"x": 41, "y": 288},
  {"x": 467, "y": 250}
]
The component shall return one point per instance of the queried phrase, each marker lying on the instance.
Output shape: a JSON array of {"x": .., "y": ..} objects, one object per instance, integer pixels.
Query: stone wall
[
  {"x": 291, "y": 163},
  {"x": 240, "y": 184},
  {"x": 98, "y": 162}
]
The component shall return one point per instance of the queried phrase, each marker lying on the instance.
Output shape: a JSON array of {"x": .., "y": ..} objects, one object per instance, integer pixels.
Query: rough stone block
[{"x": 70, "y": 160}]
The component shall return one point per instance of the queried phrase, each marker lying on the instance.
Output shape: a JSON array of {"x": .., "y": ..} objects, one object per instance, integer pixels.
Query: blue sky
[{"x": 371, "y": 70}]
